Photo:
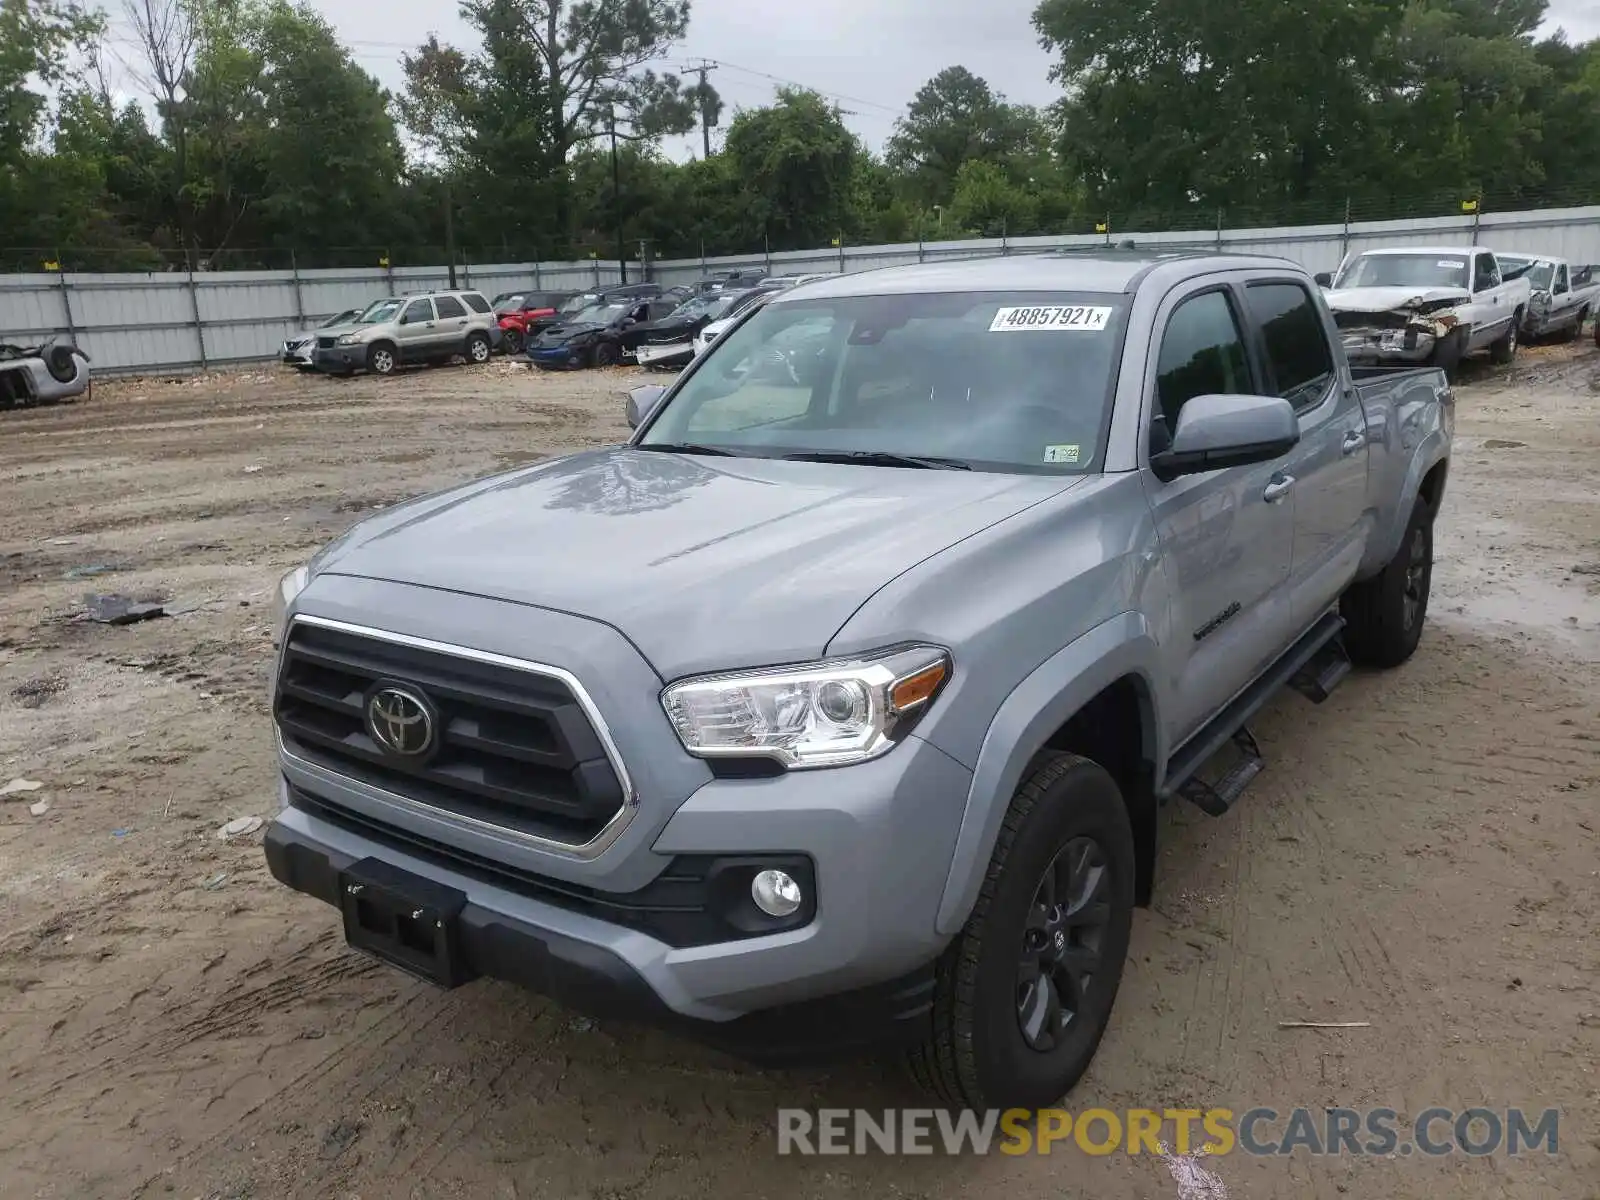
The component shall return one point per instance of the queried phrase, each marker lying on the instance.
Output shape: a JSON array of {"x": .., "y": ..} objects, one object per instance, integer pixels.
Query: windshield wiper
[
  {"x": 685, "y": 448},
  {"x": 880, "y": 458}
]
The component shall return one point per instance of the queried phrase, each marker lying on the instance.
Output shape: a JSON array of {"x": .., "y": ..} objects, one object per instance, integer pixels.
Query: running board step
[
  {"x": 1216, "y": 799},
  {"x": 1317, "y": 679}
]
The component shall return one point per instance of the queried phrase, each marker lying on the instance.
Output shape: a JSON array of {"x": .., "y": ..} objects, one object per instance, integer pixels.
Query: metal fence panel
[{"x": 170, "y": 321}]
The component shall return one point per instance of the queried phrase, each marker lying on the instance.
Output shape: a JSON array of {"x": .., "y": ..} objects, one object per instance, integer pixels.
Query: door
[
  {"x": 1492, "y": 310},
  {"x": 415, "y": 332},
  {"x": 452, "y": 323},
  {"x": 1226, "y": 536},
  {"x": 1328, "y": 469}
]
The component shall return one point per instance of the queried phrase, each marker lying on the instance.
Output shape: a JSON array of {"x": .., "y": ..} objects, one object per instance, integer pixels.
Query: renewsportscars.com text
[{"x": 1375, "y": 1132}]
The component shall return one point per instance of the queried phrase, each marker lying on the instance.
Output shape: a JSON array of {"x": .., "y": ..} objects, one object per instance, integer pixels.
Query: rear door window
[
  {"x": 475, "y": 302},
  {"x": 1295, "y": 342},
  {"x": 449, "y": 306}
]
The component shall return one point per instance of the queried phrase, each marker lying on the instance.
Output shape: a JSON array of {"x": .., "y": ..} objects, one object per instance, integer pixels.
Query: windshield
[
  {"x": 992, "y": 380},
  {"x": 348, "y": 314},
  {"x": 379, "y": 312},
  {"x": 576, "y": 304},
  {"x": 507, "y": 304},
  {"x": 601, "y": 314},
  {"x": 1404, "y": 270}
]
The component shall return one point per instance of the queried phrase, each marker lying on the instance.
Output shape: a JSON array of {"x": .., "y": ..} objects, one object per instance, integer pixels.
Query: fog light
[{"x": 775, "y": 893}]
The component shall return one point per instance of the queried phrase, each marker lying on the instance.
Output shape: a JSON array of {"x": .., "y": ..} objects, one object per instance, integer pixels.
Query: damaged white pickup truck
[
  {"x": 1430, "y": 305},
  {"x": 1563, "y": 295}
]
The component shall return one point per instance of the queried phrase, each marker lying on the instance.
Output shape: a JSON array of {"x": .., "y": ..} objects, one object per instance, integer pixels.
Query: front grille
[
  {"x": 326, "y": 343},
  {"x": 515, "y": 748}
]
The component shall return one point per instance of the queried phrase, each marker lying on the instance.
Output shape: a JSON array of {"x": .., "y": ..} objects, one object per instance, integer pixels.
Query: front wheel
[
  {"x": 1024, "y": 993},
  {"x": 381, "y": 360},
  {"x": 511, "y": 340},
  {"x": 1504, "y": 349},
  {"x": 607, "y": 354},
  {"x": 1384, "y": 615}
]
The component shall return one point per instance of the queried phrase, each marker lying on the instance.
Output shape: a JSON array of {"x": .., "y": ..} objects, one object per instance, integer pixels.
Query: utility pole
[
  {"x": 706, "y": 66},
  {"x": 616, "y": 197},
  {"x": 449, "y": 230}
]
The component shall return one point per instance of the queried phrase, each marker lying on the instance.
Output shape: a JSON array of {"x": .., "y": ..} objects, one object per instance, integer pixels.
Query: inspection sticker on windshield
[
  {"x": 1055, "y": 317},
  {"x": 1061, "y": 454}
]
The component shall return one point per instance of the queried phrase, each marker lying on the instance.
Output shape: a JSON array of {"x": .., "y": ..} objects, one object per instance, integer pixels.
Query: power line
[{"x": 796, "y": 83}]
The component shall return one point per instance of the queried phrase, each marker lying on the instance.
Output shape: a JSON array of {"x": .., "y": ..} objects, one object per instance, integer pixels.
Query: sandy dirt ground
[{"x": 1422, "y": 854}]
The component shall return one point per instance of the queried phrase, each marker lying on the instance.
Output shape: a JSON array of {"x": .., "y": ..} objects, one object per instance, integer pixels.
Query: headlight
[
  {"x": 290, "y": 586},
  {"x": 349, "y": 339},
  {"x": 827, "y": 715}
]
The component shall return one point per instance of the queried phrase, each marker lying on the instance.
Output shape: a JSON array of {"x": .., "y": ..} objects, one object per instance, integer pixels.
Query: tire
[
  {"x": 1384, "y": 615},
  {"x": 606, "y": 354},
  {"x": 1504, "y": 350},
  {"x": 61, "y": 363},
  {"x": 1575, "y": 332},
  {"x": 511, "y": 341},
  {"x": 1447, "y": 355},
  {"x": 382, "y": 359},
  {"x": 478, "y": 350},
  {"x": 979, "y": 1055}
]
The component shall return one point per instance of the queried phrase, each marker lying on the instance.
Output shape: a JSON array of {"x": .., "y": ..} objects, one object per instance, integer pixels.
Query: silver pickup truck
[{"x": 835, "y": 708}]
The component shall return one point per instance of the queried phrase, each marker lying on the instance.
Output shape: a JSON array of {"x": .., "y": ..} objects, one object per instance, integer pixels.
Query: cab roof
[{"x": 1108, "y": 270}]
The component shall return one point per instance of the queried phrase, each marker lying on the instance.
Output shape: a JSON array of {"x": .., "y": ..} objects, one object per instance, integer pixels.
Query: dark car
[
  {"x": 670, "y": 342},
  {"x": 599, "y": 335},
  {"x": 524, "y": 315}
]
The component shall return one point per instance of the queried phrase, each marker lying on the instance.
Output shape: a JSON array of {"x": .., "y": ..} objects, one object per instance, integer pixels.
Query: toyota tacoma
[{"x": 835, "y": 708}]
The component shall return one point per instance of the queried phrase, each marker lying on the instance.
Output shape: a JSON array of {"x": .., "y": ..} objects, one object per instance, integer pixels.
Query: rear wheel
[
  {"x": 1025, "y": 991},
  {"x": 1384, "y": 615},
  {"x": 478, "y": 350},
  {"x": 382, "y": 359}
]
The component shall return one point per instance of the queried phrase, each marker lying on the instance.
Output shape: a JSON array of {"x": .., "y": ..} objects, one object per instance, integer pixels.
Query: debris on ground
[
  {"x": 239, "y": 827},
  {"x": 35, "y": 693},
  {"x": 216, "y": 881},
  {"x": 20, "y": 785},
  {"x": 112, "y": 609},
  {"x": 90, "y": 570},
  {"x": 39, "y": 807},
  {"x": 1324, "y": 1024}
]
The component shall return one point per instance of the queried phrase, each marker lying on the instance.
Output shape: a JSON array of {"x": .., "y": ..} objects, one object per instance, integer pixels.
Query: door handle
[
  {"x": 1353, "y": 441},
  {"x": 1277, "y": 488}
]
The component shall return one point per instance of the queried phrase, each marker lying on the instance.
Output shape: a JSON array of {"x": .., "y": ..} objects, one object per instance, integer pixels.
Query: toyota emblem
[{"x": 400, "y": 721}]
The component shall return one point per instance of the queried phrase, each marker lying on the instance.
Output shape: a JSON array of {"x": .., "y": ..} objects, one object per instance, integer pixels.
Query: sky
[{"x": 869, "y": 56}]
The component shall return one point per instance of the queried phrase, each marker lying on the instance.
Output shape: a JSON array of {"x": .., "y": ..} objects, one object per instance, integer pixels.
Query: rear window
[
  {"x": 475, "y": 302},
  {"x": 449, "y": 306},
  {"x": 1296, "y": 343}
]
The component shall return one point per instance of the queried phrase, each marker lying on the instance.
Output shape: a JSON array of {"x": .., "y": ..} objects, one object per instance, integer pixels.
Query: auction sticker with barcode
[{"x": 1055, "y": 317}]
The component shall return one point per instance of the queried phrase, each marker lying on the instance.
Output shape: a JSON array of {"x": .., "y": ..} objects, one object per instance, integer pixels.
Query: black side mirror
[
  {"x": 1324, "y": 279},
  {"x": 1227, "y": 431}
]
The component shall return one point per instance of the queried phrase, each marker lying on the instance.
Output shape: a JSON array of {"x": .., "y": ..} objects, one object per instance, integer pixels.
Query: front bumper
[
  {"x": 559, "y": 356},
  {"x": 500, "y": 940},
  {"x": 1368, "y": 347},
  {"x": 673, "y": 354},
  {"x": 339, "y": 359}
]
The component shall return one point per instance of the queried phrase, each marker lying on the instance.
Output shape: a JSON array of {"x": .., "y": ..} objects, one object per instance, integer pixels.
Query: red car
[{"x": 523, "y": 314}]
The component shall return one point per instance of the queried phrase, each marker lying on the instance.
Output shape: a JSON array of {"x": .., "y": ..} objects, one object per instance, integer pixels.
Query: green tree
[
  {"x": 956, "y": 118},
  {"x": 797, "y": 163},
  {"x": 988, "y": 203}
]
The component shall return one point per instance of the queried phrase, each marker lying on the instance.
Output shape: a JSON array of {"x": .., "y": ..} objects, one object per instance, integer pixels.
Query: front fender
[{"x": 1040, "y": 705}]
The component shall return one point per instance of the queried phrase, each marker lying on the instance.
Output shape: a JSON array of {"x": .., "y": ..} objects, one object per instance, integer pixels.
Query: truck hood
[
  {"x": 1393, "y": 299},
  {"x": 704, "y": 563}
]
